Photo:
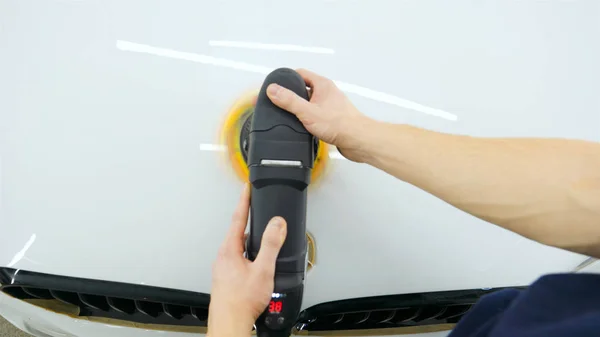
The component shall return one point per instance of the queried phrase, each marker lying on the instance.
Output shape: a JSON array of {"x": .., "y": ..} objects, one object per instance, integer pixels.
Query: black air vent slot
[
  {"x": 39, "y": 293},
  {"x": 176, "y": 311},
  {"x": 149, "y": 308},
  {"x": 95, "y": 302},
  {"x": 123, "y": 305},
  {"x": 66, "y": 297}
]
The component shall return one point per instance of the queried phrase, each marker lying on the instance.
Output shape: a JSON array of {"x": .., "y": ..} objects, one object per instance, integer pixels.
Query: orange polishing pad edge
[{"x": 230, "y": 137}]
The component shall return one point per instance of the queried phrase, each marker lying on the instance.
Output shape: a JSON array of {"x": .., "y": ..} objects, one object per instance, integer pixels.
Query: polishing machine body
[{"x": 280, "y": 160}]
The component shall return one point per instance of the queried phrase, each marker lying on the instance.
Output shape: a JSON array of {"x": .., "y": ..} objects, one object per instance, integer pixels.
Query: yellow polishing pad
[{"x": 230, "y": 137}]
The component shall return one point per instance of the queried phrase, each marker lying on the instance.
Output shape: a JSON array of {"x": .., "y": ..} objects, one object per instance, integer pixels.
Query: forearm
[{"x": 544, "y": 189}]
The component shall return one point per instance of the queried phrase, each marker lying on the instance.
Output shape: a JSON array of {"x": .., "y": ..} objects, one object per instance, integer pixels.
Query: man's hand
[
  {"x": 241, "y": 289},
  {"x": 329, "y": 115}
]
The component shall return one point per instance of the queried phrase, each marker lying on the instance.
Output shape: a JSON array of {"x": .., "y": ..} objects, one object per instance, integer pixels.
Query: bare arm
[{"x": 545, "y": 189}]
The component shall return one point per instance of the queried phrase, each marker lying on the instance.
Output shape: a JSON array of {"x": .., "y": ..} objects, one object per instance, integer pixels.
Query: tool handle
[
  {"x": 283, "y": 197},
  {"x": 275, "y": 193}
]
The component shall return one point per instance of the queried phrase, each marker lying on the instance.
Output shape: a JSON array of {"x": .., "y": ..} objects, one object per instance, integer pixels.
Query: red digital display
[{"x": 275, "y": 307}]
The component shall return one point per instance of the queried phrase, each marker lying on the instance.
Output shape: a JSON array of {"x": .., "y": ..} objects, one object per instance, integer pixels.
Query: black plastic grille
[
  {"x": 391, "y": 318},
  {"x": 142, "y": 304},
  {"x": 155, "y": 305},
  {"x": 394, "y": 311},
  {"x": 135, "y": 310}
]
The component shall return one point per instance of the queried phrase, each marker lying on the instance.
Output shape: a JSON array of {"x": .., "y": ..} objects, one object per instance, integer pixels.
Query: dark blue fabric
[{"x": 561, "y": 305}]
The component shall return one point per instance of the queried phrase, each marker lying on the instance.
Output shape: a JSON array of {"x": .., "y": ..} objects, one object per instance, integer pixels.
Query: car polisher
[{"x": 280, "y": 158}]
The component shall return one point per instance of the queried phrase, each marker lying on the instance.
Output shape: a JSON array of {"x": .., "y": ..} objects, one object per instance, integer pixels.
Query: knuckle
[
  {"x": 287, "y": 97},
  {"x": 265, "y": 271},
  {"x": 292, "y": 104},
  {"x": 266, "y": 274},
  {"x": 223, "y": 253},
  {"x": 270, "y": 241},
  {"x": 267, "y": 246}
]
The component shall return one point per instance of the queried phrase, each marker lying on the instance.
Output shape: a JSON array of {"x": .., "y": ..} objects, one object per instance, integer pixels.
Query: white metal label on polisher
[{"x": 281, "y": 163}]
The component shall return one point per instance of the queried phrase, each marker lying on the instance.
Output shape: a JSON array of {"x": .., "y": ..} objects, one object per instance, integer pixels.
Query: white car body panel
[{"x": 110, "y": 111}]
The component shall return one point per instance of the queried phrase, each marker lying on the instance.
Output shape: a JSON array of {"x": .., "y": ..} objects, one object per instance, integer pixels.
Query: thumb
[
  {"x": 289, "y": 101},
  {"x": 271, "y": 243}
]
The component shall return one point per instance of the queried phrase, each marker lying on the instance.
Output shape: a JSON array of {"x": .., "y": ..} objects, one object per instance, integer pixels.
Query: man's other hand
[{"x": 241, "y": 289}]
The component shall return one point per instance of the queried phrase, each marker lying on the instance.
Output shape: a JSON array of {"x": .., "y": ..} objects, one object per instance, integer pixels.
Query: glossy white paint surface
[{"x": 105, "y": 107}]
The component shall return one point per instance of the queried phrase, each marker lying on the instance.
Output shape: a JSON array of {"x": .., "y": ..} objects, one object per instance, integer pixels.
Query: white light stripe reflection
[
  {"x": 270, "y": 46},
  {"x": 347, "y": 87},
  {"x": 205, "y": 59},
  {"x": 12, "y": 281},
  {"x": 394, "y": 100},
  {"x": 213, "y": 147},
  {"x": 18, "y": 256}
]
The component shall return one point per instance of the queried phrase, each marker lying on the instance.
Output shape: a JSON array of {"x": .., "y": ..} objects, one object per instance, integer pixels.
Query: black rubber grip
[{"x": 286, "y": 78}]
